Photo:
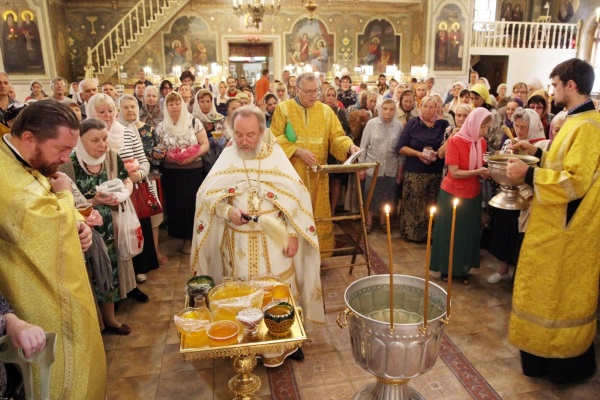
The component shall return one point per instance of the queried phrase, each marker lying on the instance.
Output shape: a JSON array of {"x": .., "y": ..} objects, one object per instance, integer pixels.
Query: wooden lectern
[{"x": 362, "y": 233}]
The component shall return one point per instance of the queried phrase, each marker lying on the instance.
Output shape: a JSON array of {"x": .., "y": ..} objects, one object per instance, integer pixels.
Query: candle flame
[
  {"x": 432, "y": 210},
  {"x": 387, "y": 209},
  {"x": 455, "y": 202}
]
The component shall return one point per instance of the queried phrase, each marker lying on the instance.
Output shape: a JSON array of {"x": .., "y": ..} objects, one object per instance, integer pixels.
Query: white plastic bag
[{"x": 130, "y": 240}]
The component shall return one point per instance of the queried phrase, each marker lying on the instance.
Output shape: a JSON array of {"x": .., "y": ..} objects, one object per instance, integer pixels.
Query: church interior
[{"x": 445, "y": 39}]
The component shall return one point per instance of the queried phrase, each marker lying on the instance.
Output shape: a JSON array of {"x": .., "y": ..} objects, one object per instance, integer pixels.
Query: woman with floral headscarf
[
  {"x": 464, "y": 158},
  {"x": 419, "y": 142},
  {"x": 151, "y": 112}
]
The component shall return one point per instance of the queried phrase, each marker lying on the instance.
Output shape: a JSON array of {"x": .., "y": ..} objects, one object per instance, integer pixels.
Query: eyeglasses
[
  {"x": 310, "y": 92},
  {"x": 520, "y": 91},
  {"x": 536, "y": 107}
]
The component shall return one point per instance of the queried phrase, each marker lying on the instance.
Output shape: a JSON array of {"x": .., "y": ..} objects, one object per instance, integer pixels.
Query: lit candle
[
  {"x": 391, "y": 266},
  {"x": 451, "y": 258},
  {"x": 427, "y": 261}
]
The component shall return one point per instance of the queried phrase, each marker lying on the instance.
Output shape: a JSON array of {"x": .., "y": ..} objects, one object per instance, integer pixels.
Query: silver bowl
[
  {"x": 509, "y": 197},
  {"x": 394, "y": 358}
]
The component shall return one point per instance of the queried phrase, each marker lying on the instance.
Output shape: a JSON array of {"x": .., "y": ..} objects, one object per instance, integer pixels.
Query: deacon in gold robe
[
  {"x": 42, "y": 270},
  {"x": 553, "y": 318},
  {"x": 308, "y": 131}
]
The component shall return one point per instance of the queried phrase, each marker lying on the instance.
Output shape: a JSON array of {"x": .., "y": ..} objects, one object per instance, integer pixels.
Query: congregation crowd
[{"x": 430, "y": 143}]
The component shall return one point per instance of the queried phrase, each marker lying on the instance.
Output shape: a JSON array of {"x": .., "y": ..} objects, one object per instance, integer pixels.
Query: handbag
[
  {"x": 145, "y": 199},
  {"x": 130, "y": 239}
]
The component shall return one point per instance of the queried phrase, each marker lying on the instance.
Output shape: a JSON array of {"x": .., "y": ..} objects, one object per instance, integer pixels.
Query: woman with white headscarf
[
  {"x": 129, "y": 117},
  {"x": 505, "y": 223},
  {"x": 129, "y": 147},
  {"x": 185, "y": 141}
]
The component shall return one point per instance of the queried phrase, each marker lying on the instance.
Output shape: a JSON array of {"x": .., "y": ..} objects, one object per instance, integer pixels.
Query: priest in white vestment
[{"x": 253, "y": 177}]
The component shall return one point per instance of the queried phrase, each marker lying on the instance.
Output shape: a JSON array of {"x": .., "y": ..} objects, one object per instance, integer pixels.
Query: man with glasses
[
  {"x": 59, "y": 86},
  {"x": 308, "y": 131},
  {"x": 345, "y": 93}
]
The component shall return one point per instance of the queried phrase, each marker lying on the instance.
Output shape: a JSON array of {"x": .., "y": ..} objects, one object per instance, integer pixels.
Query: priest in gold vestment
[
  {"x": 316, "y": 133},
  {"x": 253, "y": 177},
  {"x": 42, "y": 270},
  {"x": 553, "y": 318}
]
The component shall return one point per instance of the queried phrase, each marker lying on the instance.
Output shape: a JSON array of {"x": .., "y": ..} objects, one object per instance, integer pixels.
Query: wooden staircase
[{"x": 131, "y": 33}]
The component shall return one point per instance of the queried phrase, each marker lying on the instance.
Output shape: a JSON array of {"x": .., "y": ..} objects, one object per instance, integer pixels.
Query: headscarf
[
  {"x": 130, "y": 125},
  {"x": 487, "y": 83},
  {"x": 470, "y": 132},
  {"x": 116, "y": 131},
  {"x": 74, "y": 95},
  {"x": 210, "y": 117},
  {"x": 536, "y": 129},
  {"x": 83, "y": 156},
  {"x": 181, "y": 128},
  {"x": 153, "y": 115},
  {"x": 558, "y": 117},
  {"x": 459, "y": 83},
  {"x": 482, "y": 91}
]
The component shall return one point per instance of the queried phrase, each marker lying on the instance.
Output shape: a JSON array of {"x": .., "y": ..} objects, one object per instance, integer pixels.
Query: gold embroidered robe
[
  {"x": 556, "y": 288},
  {"x": 44, "y": 279},
  {"x": 221, "y": 248},
  {"x": 318, "y": 130}
]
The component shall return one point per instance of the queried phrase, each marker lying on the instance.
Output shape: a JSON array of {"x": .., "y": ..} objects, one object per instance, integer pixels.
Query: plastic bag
[{"x": 130, "y": 240}]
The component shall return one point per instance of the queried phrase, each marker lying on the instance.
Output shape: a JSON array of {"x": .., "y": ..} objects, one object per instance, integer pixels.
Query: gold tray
[{"x": 263, "y": 343}]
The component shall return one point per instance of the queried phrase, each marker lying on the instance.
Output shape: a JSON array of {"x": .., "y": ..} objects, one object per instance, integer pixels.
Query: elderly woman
[
  {"x": 93, "y": 163},
  {"x": 505, "y": 223},
  {"x": 454, "y": 103},
  {"x": 185, "y": 141},
  {"x": 380, "y": 142},
  {"x": 129, "y": 118},
  {"x": 151, "y": 112},
  {"x": 540, "y": 105},
  {"x": 130, "y": 149},
  {"x": 345, "y": 93},
  {"x": 232, "y": 105},
  {"x": 336, "y": 180},
  {"x": 502, "y": 88},
  {"x": 204, "y": 109},
  {"x": 406, "y": 107},
  {"x": 464, "y": 158},
  {"x": 419, "y": 142},
  {"x": 359, "y": 114}
]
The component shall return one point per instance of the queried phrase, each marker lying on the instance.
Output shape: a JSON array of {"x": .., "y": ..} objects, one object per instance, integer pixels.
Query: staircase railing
[
  {"x": 125, "y": 31},
  {"x": 524, "y": 35}
]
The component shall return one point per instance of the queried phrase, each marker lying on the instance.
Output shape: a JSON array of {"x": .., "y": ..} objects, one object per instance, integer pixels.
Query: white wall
[{"x": 526, "y": 64}]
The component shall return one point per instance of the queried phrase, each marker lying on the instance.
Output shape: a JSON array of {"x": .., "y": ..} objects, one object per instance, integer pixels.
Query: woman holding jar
[
  {"x": 94, "y": 163},
  {"x": 464, "y": 158},
  {"x": 129, "y": 147},
  {"x": 419, "y": 142},
  {"x": 185, "y": 141},
  {"x": 129, "y": 118}
]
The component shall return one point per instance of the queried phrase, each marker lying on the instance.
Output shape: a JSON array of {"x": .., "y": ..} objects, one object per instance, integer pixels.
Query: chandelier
[{"x": 255, "y": 9}]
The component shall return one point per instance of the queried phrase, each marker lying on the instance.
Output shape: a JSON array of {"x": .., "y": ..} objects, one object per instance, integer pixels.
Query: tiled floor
[{"x": 146, "y": 364}]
